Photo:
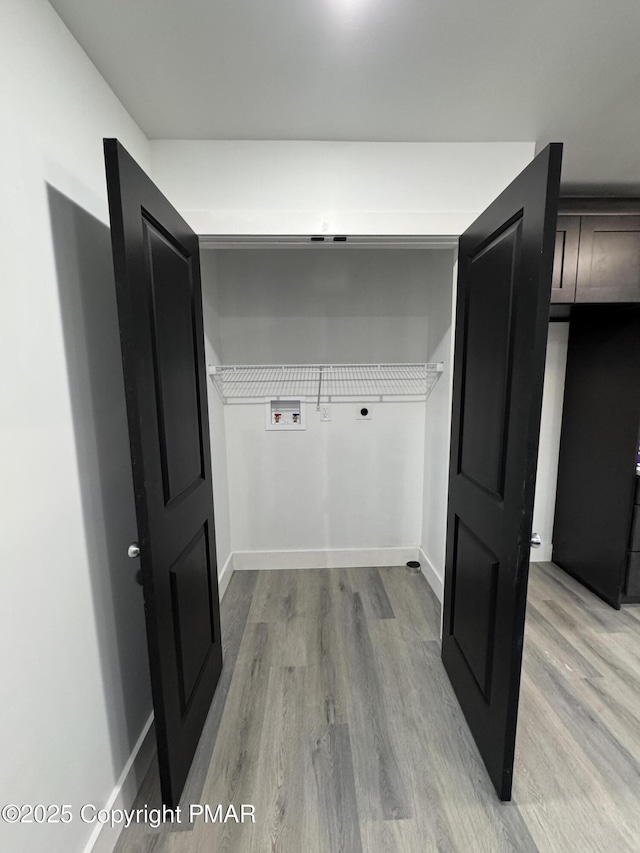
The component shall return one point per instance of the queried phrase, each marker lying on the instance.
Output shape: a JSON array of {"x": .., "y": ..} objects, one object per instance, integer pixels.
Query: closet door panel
[
  {"x": 157, "y": 272},
  {"x": 504, "y": 282}
]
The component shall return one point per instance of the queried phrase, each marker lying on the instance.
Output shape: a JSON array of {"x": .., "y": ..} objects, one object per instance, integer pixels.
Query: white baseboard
[
  {"x": 541, "y": 554},
  {"x": 433, "y": 578},
  {"x": 225, "y": 576},
  {"x": 104, "y": 837},
  {"x": 323, "y": 559}
]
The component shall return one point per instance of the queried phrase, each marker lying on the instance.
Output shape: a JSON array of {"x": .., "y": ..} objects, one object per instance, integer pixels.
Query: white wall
[
  {"x": 348, "y": 485},
  {"x": 326, "y": 305},
  {"x": 345, "y": 485},
  {"x": 334, "y": 187},
  {"x": 550, "y": 426},
  {"x": 440, "y": 335},
  {"x": 74, "y": 686},
  {"x": 217, "y": 431}
]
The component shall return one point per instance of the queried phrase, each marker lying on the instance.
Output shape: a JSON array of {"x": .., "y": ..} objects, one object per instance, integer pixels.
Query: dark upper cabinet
[
  {"x": 597, "y": 255},
  {"x": 565, "y": 259},
  {"x": 609, "y": 259}
]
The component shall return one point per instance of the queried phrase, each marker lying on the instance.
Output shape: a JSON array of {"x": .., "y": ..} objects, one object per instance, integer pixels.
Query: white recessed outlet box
[
  {"x": 325, "y": 412},
  {"x": 363, "y": 412},
  {"x": 285, "y": 415}
]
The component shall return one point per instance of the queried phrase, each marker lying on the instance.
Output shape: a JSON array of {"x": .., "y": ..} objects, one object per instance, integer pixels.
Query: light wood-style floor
[{"x": 335, "y": 718}]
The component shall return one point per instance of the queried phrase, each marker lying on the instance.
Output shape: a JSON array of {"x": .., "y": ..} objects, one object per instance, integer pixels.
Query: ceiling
[{"x": 380, "y": 70}]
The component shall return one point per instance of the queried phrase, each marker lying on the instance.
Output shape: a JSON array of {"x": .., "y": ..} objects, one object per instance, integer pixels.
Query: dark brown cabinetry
[
  {"x": 597, "y": 258},
  {"x": 565, "y": 259},
  {"x": 632, "y": 588},
  {"x": 609, "y": 259},
  {"x": 597, "y": 522},
  {"x": 632, "y": 584}
]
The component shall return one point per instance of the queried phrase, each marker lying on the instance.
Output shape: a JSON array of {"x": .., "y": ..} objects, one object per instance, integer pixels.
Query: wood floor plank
[
  {"x": 279, "y": 602},
  {"x": 633, "y": 610},
  {"x": 368, "y": 583},
  {"x": 556, "y": 647},
  {"x": 565, "y": 804},
  {"x": 413, "y": 601},
  {"x": 289, "y": 642},
  {"x": 608, "y": 651},
  {"x": 148, "y": 841},
  {"x": 266, "y": 604},
  {"x": 618, "y": 658},
  {"x": 615, "y": 702},
  {"x": 381, "y": 785},
  {"x": 567, "y": 616},
  {"x": 566, "y": 589},
  {"x": 609, "y": 757},
  {"x": 279, "y": 799},
  {"x": 411, "y": 734},
  {"x": 395, "y": 836},
  {"x": 326, "y": 653},
  {"x": 477, "y": 820},
  {"x": 331, "y": 792},
  {"x": 233, "y": 776}
]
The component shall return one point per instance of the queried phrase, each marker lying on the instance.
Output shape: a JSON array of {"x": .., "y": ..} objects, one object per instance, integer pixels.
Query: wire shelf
[{"x": 245, "y": 382}]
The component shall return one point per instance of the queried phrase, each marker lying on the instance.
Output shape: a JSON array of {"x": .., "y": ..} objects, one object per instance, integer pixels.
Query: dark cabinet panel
[
  {"x": 609, "y": 259},
  {"x": 599, "y": 441},
  {"x": 632, "y": 589},
  {"x": 635, "y": 530},
  {"x": 565, "y": 259}
]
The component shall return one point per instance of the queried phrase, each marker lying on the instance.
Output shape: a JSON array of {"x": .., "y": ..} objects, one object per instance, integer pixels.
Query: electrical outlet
[
  {"x": 363, "y": 412},
  {"x": 325, "y": 412}
]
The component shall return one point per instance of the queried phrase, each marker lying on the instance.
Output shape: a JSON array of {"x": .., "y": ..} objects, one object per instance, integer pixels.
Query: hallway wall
[
  {"x": 74, "y": 671},
  {"x": 550, "y": 428}
]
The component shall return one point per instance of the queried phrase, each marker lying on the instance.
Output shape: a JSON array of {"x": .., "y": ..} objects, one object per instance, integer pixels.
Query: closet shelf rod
[{"x": 256, "y": 382}]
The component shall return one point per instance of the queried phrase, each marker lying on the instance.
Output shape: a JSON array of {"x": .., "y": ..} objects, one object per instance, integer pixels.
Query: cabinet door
[
  {"x": 632, "y": 589},
  {"x": 635, "y": 530},
  {"x": 598, "y": 444},
  {"x": 609, "y": 260},
  {"x": 565, "y": 259}
]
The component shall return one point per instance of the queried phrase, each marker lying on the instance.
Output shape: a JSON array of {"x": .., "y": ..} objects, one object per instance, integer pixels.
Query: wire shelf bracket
[{"x": 255, "y": 382}]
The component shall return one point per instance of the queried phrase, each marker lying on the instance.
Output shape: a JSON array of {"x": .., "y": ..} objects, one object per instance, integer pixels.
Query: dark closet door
[
  {"x": 157, "y": 270},
  {"x": 504, "y": 283}
]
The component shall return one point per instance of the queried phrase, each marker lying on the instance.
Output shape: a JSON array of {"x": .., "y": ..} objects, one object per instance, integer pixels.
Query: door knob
[
  {"x": 133, "y": 550},
  {"x": 536, "y": 540}
]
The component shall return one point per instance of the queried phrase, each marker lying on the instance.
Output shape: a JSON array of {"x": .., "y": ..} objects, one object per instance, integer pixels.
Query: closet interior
[{"x": 329, "y": 404}]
